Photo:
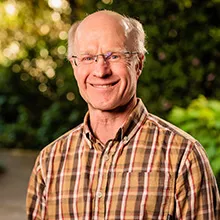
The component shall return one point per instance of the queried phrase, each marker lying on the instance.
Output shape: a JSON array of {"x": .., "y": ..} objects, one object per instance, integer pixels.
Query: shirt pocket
[{"x": 145, "y": 195}]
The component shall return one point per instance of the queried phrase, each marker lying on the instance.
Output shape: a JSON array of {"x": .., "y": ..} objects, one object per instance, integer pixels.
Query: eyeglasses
[{"x": 110, "y": 57}]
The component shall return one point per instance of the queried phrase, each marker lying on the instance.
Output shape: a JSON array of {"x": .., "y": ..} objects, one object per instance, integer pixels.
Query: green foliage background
[
  {"x": 202, "y": 120},
  {"x": 39, "y": 98}
]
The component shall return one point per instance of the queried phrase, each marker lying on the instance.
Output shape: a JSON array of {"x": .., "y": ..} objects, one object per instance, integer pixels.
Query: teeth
[{"x": 102, "y": 86}]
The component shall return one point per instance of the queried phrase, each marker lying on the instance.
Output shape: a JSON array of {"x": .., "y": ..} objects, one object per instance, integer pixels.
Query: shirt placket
[{"x": 105, "y": 164}]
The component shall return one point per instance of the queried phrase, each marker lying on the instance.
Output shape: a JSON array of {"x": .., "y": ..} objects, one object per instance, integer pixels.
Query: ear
[{"x": 139, "y": 65}]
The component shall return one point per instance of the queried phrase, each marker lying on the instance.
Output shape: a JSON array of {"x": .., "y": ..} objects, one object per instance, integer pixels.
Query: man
[{"x": 122, "y": 162}]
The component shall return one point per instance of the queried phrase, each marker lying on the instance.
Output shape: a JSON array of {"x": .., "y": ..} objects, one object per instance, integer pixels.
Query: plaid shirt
[{"x": 151, "y": 170}]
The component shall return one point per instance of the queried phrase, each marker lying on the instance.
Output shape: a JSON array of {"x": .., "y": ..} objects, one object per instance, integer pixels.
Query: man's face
[{"x": 105, "y": 85}]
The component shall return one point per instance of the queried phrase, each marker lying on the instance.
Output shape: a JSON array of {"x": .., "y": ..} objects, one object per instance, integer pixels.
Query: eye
[
  {"x": 115, "y": 56},
  {"x": 87, "y": 58}
]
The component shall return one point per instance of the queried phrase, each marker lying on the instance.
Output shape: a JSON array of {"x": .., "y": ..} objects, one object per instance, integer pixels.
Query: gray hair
[
  {"x": 133, "y": 31},
  {"x": 71, "y": 38},
  {"x": 136, "y": 34}
]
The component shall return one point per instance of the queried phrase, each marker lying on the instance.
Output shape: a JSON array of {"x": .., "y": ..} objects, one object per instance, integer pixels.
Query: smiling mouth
[{"x": 103, "y": 85}]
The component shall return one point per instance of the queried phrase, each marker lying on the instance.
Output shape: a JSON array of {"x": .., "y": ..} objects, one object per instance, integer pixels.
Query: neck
[{"x": 105, "y": 124}]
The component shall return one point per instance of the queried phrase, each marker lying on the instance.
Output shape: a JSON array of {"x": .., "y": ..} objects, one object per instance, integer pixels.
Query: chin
[{"x": 104, "y": 106}]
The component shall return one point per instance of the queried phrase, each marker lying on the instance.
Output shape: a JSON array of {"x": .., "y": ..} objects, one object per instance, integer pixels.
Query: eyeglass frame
[{"x": 105, "y": 56}]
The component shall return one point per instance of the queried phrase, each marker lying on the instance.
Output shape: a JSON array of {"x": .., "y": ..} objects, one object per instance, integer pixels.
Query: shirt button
[
  {"x": 125, "y": 138},
  {"x": 99, "y": 195},
  {"x": 106, "y": 157}
]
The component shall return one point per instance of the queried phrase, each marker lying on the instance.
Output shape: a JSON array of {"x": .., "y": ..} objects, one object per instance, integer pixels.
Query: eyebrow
[{"x": 85, "y": 53}]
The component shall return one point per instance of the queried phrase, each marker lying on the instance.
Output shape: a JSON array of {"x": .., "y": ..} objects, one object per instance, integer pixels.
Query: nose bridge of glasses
[{"x": 104, "y": 56}]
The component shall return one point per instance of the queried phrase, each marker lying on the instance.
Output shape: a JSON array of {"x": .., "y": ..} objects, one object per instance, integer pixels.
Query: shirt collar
[{"x": 134, "y": 121}]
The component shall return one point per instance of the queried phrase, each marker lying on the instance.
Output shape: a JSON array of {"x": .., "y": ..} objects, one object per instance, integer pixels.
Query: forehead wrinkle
[
  {"x": 103, "y": 45},
  {"x": 102, "y": 51}
]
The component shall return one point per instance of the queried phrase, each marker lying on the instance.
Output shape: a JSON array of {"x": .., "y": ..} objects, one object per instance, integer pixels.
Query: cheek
[
  {"x": 132, "y": 74},
  {"x": 76, "y": 77},
  {"x": 81, "y": 83},
  {"x": 80, "y": 76}
]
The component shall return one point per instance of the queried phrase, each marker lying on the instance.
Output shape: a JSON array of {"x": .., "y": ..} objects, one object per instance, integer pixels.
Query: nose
[{"x": 101, "y": 68}]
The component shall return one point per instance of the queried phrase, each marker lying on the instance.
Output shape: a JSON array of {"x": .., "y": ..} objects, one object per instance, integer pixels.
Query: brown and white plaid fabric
[{"x": 151, "y": 170}]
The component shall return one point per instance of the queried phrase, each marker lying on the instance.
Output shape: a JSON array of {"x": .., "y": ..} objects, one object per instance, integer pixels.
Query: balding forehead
[
  {"x": 108, "y": 17},
  {"x": 128, "y": 30},
  {"x": 100, "y": 21},
  {"x": 111, "y": 26}
]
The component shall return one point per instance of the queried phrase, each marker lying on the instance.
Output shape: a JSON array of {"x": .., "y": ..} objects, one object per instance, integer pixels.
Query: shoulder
[
  {"x": 166, "y": 126},
  {"x": 182, "y": 147},
  {"x": 53, "y": 155},
  {"x": 61, "y": 145}
]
